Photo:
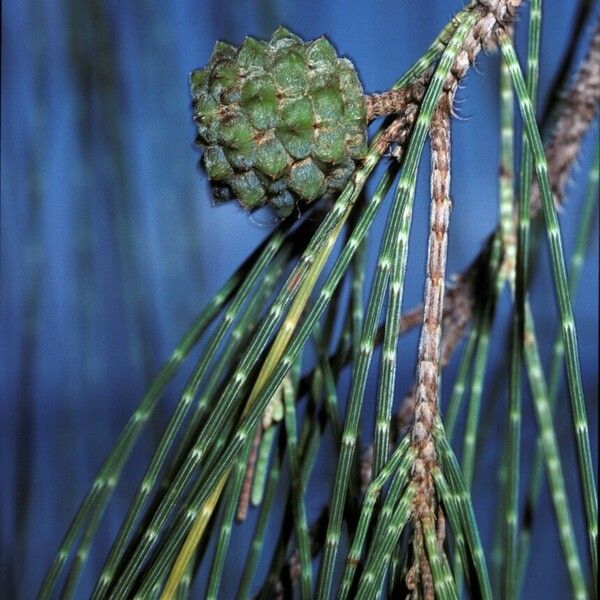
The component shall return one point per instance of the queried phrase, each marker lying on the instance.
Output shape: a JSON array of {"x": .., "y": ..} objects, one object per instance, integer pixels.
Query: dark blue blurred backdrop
[{"x": 110, "y": 245}]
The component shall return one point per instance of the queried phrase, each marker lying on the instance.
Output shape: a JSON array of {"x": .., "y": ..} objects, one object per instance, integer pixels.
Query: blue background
[{"x": 110, "y": 245}]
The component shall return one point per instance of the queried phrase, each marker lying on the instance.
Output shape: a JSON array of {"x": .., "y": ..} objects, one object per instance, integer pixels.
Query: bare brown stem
[
  {"x": 398, "y": 130},
  {"x": 244, "y": 501},
  {"x": 428, "y": 364},
  {"x": 575, "y": 115},
  {"x": 391, "y": 102},
  {"x": 576, "y": 112}
]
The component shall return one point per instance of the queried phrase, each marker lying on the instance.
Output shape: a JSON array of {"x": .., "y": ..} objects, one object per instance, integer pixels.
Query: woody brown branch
[
  {"x": 392, "y": 102},
  {"x": 428, "y": 364},
  {"x": 427, "y": 371},
  {"x": 244, "y": 499},
  {"x": 578, "y": 109},
  {"x": 460, "y": 300},
  {"x": 576, "y": 113},
  {"x": 405, "y": 102}
]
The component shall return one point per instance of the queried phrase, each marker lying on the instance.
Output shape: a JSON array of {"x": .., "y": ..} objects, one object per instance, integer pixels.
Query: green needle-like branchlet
[
  {"x": 482, "y": 333},
  {"x": 233, "y": 489},
  {"x": 149, "y": 480},
  {"x": 460, "y": 512},
  {"x": 242, "y": 332},
  {"x": 385, "y": 396},
  {"x": 110, "y": 471},
  {"x": 510, "y": 570},
  {"x": 552, "y": 458},
  {"x": 298, "y": 505},
  {"x": 443, "y": 581},
  {"x": 251, "y": 418},
  {"x": 392, "y": 519},
  {"x": 458, "y": 390},
  {"x": 564, "y": 302},
  {"x": 583, "y": 233},
  {"x": 399, "y": 462}
]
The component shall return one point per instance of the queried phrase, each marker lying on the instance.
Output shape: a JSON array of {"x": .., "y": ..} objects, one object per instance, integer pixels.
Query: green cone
[{"x": 280, "y": 122}]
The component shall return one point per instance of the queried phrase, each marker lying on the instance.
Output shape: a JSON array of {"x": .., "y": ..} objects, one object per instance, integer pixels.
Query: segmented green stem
[
  {"x": 110, "y": 471},
  {"x": 385, "y": 395},
  {"x": 151, "y": 476},
  {"x": 577, "y": 258},
  {"x": 234, "y": 487},
  {"x": 399, "y": 461},
  {"x": 451, "y": 510},
  {"x": 395, "y": 570},
  {"x": 458, "y": 390},
  {"x": 552, "y": 457},
  {"x": 226, "y": 405},
  {"x": 583, "y": 235},
  {"x": 520, "y": 288},
  {"x": 83, "y": 551},
  {"x": 392, "y": 519},
  {"x": 479, "y": 370},
  {"x": 483, "y": 329},
  {"x": 349, "y": 435},
  {"x": 240, "y": 336},
  {"x": 510, "y": 572},
  {"x": 564, "y": 302},
  {"x": 533, "y": 59},
  {"x": 442, "y": 576},
  {"x": 511, "y": 495},
  {"x": 261, "y": 525},
  {"x": 511, "y": 498},
  {"x": 508, "y": 273},
  {"x": 298, "y": 506},
  {"x": 356, "y": 306},
  {"x": 251, "y": 418},
  {"x": 460, "y": 511},
  {"x": 534, "y": 368}
]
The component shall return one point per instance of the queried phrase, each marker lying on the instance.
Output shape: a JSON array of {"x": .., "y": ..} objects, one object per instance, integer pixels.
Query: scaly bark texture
[
  {"x": 459, "y": 300},
  {"x": 579, "y": 107},
  {"x": 428, "y": 364},
  {"x": 577, "y": 111},
  {"x": 393, "y": 101}
]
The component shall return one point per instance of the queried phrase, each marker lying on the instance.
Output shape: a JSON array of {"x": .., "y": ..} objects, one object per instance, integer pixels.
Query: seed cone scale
[{"x": 281, "y": 122}]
